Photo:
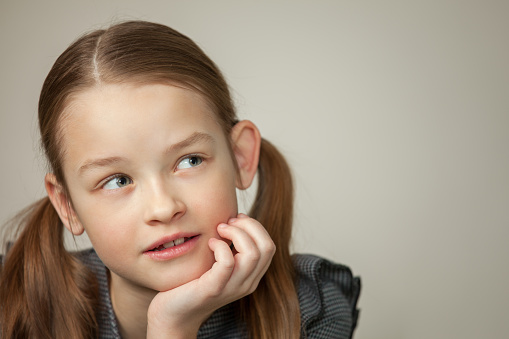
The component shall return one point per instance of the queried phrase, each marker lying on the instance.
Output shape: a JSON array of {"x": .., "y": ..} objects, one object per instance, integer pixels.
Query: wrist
[
  {"x": 165, "y": 331},
  {"x": 163, "y": 326}
]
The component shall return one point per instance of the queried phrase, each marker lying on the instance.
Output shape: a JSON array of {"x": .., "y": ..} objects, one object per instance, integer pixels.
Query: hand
[{"x": 179, "y": 313}]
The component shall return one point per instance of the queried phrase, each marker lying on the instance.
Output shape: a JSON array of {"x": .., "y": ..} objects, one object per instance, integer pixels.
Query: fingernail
[
  {"x": 242, "y": 215},
  {"x": 222, "y": 225},
  {"x": 232, "y": 220}
]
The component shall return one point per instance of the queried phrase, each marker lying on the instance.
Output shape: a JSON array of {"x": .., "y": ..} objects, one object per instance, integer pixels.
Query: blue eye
[
  {"x": 191, "y": 161},
  {"x": 118, "y": 182}
]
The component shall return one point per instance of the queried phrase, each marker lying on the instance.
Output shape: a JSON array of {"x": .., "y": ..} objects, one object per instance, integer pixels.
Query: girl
[{"x": 146, "y": 153}]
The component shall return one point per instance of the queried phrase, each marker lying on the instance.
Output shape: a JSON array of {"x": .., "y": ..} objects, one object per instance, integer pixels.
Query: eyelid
[
  {"x": 103, "y": 182},
  {"x": 187, "y": 156}
]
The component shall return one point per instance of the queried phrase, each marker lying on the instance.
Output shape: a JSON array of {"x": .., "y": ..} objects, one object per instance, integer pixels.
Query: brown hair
[{"x": 37, "y": 266}]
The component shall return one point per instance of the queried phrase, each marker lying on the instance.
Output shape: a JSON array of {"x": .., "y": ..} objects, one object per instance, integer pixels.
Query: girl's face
[{"x": 146, "y": 165}]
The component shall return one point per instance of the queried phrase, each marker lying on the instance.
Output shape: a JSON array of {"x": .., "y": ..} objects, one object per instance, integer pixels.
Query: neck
[{"x": 130, "y": 303}]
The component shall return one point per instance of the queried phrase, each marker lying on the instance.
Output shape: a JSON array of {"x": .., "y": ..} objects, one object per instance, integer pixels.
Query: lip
[{"x": 175, "y": 251}]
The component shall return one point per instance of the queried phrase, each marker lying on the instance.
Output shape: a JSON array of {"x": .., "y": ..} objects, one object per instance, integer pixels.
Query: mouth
[
  {"x": 172, "y": 247},
  {"x": 171, "y": 244}
]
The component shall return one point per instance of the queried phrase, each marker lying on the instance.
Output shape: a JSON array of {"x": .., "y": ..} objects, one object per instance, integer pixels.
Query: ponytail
[
  {"x": 44, "y": 291},
  {"x": 275, "y": 300}
]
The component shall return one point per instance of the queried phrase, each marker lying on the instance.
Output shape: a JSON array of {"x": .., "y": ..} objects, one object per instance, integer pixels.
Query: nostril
[
  {"x": 161, "y": 203},
  {"x": 178, "y": 215},
  {"x": 164, "y": 213}
]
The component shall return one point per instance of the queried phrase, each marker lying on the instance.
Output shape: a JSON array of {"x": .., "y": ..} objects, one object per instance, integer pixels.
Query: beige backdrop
[{"x": 394, "y": 116}]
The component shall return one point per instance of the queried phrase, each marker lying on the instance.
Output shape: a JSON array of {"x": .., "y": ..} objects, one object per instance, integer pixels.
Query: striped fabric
[{"x": 327, "y": 293}]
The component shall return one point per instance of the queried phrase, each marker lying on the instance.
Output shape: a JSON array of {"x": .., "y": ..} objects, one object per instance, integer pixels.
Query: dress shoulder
[
  {"x": 328, "y": 294},
  {"x": 106, "y": 319}
]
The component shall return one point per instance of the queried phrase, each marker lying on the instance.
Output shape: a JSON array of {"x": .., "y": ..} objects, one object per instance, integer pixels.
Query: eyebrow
[
  {"x": 103, "y": 162},
  {"x": 196, "y": 137}
]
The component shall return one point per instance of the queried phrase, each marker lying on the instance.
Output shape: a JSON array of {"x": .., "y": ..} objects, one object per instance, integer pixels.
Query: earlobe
[
  {"x": 246, "y": 141},
  {"x": 62, "y": 204}
]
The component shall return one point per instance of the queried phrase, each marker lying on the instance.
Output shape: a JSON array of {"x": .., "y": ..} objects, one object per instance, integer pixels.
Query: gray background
[{"x": 393, "y": 114}]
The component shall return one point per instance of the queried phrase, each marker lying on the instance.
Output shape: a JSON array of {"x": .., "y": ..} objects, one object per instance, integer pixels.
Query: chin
[{"x": 176, "y": 278}]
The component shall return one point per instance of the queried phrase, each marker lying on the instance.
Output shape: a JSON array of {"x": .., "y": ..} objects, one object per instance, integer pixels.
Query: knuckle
[
  {"x": 252, "y": 287},
  {"x": 254, "y": 255},
  {"x": 214, "y": 291},
  {"x": 245, "y": 290},
  {"x": 228, "y": 264},
  {"x": 269, "y": 248}
]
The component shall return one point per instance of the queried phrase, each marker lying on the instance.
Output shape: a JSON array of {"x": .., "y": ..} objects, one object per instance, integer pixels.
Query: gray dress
[{"x": 327, "y": 293}]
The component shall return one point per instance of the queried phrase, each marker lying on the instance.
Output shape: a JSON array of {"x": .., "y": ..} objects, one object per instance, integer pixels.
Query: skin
[{"x": 144, "y": 162}]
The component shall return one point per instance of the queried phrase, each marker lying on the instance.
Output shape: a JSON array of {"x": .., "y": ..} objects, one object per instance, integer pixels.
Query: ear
[
  {"x": 246, "y": 149},
  {"x": 62, "y": 204}
]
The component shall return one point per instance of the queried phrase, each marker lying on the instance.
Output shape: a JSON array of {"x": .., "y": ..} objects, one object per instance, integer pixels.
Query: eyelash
[
  {"x": 112, "y": 177},
  {"x": 189, "y": 156}
]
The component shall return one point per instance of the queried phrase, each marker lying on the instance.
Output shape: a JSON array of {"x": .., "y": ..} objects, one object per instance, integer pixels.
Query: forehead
[
  {"x": 126, "y": 103},
  {"x": 118, "y": 115},
  {"x": 118, "y": 98}
]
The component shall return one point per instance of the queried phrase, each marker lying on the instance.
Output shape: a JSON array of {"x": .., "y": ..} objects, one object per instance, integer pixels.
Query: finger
[
  {"x": 257, "y": 232},
  {"x": 259, "y": 236},
  {"x": 222, "y": 253},
  {"x": 215, "y": 279},
  {"x": 262, "y": 239},
  {"x": 244, "y": 244},
  {"x": 249, "y": 264},
  {"x": 232, "y": 248}
]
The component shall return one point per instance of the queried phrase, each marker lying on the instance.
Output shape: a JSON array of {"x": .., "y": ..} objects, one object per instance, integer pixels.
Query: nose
[{"x": 162, "y": 204}]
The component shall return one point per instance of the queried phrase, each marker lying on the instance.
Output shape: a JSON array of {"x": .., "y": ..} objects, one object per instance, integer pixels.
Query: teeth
[
  {"x": 174, "y": 243},
  {"x": 178, "y": 241},
  {"x": 169, "y": 244}
]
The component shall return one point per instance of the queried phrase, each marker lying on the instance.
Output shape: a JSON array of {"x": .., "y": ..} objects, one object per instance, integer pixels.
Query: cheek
[
  {"x": 217, "y": 199},
  {"x": 104, "y": 222}
]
